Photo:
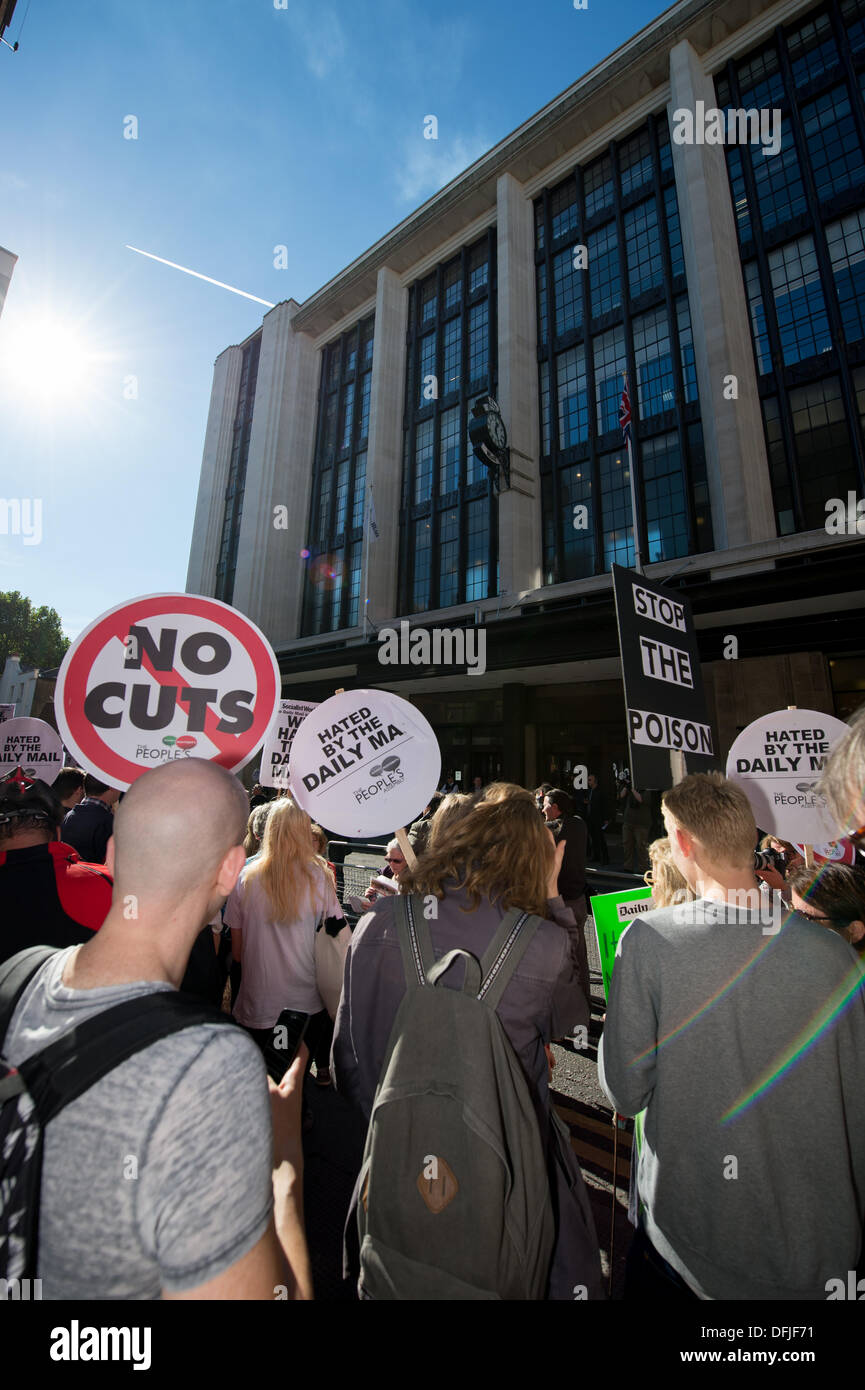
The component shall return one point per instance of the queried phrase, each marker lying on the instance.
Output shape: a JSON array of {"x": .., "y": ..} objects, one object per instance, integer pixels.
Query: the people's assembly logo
[{"x": 387, "y": 775}]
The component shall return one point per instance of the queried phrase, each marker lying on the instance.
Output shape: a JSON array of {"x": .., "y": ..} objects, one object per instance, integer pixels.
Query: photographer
[{"x": 636, "y": 823}]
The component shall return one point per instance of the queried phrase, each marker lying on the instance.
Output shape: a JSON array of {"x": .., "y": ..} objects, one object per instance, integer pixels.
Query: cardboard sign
[
  {"x": 6, "y": 712},
  {"x": 33, "y": 745},
  {"x": 612, "y": 913},
  {"x": 666, "y": 707},
  {"x": 163, "y": 677},
  {"x": 777, "y": 761},
  {"x": 280, "y": 736},
  {"x": 364, "y": 763}
]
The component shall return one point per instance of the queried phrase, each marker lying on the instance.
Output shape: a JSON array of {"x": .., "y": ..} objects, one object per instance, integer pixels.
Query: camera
[
  {"x": 622, "y": 776},
  {"x": 770, "y": 859}
]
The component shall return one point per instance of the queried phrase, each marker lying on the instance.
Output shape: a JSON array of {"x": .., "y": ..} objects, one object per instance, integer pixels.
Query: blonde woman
[
  {"x": 667, "y": 884},
  {"x": 496, "y": 856},
  {"x": 280, "y": 898}
]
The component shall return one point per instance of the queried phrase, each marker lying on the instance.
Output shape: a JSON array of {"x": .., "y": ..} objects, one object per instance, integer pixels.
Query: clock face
[{"x": 496, "y": 430}]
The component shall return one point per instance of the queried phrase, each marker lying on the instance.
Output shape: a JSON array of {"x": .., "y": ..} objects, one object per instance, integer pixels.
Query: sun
[{"x": 47, "y": 360}]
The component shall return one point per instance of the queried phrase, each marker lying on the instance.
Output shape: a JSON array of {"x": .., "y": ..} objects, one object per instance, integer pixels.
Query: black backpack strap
[
  {"x": 415, "y": 941},
  {"x": 82, "y": 1056},
  {"x": 15, "y": 975},
  {"x": 505, "y": 952}
]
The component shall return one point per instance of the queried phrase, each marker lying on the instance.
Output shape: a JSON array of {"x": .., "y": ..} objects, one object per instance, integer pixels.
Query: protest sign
[
  {"x": 280, "y": 736},
  {"x": 163, "y": 677},
  {"x": 665, "y": 705},
  {"x": 613, "y": 912},
  {"x": 364, "y": 763},
  {"x": 6, "y": 712},
  {"x": 777, "y": 761},
  {"x": 834, "y": 852},
  {"x": 33, "y": 745}
]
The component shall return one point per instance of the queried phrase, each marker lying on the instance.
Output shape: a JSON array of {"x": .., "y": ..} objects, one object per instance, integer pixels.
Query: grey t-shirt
[{"x": 158, "y": 1177}]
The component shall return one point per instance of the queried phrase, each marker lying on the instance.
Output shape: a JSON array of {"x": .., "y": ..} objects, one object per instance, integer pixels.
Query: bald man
[{"x": 142, "y": 1193}]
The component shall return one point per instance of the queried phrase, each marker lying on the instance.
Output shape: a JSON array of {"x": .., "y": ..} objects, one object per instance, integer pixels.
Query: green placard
[{"x": 612, "y": 913}]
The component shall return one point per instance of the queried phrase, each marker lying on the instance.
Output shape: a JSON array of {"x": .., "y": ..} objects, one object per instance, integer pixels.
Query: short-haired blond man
[{"x": 746, "y": 1048}]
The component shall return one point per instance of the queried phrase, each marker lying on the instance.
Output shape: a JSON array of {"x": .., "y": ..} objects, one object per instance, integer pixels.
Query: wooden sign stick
[{"x": 406, "y": 847}]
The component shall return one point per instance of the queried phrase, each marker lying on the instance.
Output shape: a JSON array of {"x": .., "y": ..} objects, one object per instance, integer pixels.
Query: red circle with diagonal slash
[{"x": 90, "y": 745}]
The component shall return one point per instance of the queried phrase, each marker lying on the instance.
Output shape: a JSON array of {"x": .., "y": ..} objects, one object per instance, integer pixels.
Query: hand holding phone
[{"x": 286, "y": 1037}]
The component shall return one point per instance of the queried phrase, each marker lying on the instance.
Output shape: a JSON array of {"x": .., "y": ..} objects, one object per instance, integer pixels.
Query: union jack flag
[{"x": 625, "y": 414}]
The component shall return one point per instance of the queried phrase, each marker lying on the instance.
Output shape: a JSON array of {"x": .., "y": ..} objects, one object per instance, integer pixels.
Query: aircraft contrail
[{"x": 199, "y": 276}]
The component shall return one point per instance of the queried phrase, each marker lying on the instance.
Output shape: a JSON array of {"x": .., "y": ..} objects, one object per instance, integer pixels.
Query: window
[
  {"x": 759, "y": 331},
  {"x": 578, "y": 541},
  {"x": 449, "y": 545},
  {"x": 799, "y": 304},
  {"x": 741, "y": 210},
  {"x": 456, "y": 345},
  {"x": 332, "y": 584},
  {"x": 655, "y": 386},
  {"x": 543, "y": 308},
  {"x": 450, "y": 451},
  {"x": 686, "y": 349},
  {"x": 479, "y": 343},
  {"x": 823, "y": 449},
  {"x": 604, "y": 278},
  {"x": 780, "y": 192},
  {"x": 664, "y": 487},
  {"x": 833, "y": 144},
  {"x": 760, "y": 80},
  {"x": 643, "y": 248},
  {"x": 427, "y": 387},
  {"x": 610, "y": 364},
  {"x": 567, "y": 292},
  {"x": 812, "y": 50},
  {"x": 226, "y": 564},
  {"x": 598, "y": 186},
  {"x": 452, "y": 350},
  {"x": 618, "y": 536},
  {"x": 776, "y": 454},
  {"x": 846, "y": 241},
  {"x": 428, "y": 301},
  {"x": 545, "y": 408},
  {"x": 573, "y": 397},
  {"x": 853, "y": 12},
  {"x": 674, "y": 231},
  {"x": 564, "y": 215},
  {"x": 635, "y": 162},
  {"x": 477, "y": 549},
  {"x": 423, "y": 461}
]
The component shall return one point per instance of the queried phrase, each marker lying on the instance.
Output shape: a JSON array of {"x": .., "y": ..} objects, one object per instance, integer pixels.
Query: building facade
[{"x": 689, "y": 215}]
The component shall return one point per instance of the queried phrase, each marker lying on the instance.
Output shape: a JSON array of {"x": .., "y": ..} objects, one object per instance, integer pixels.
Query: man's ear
[
  {"x": 229, "y": 870},
  {"x": 856, "y": 932},
  {"x": 684, "y": 841}
]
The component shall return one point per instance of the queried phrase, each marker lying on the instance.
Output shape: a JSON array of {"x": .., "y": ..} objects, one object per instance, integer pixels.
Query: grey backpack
[{"x": 454, "y": 1189}]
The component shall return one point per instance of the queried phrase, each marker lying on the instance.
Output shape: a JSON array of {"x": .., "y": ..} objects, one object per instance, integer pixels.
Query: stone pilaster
[
  {"x": 738, "y": 474},
  {"x": 384, "y": 454},
  {"x": 268, "y": 583}
]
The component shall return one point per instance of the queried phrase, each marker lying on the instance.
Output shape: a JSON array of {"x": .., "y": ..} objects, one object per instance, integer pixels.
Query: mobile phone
[{"x": 286, "y": 1035}]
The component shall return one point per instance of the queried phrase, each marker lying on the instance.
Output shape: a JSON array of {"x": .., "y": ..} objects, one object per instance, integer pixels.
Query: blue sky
[{"x": 257, "y": 127}]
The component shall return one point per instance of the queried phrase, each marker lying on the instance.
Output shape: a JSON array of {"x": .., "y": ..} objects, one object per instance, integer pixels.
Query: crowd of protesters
[{"x": 723, "y": 1037}]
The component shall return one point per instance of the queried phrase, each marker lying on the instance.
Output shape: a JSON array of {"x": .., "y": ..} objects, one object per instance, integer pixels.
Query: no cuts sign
[
  {"x": 777, "y": 761},
  {"x": 164, "y": 677},
  {"x": 666, "y": 707},
  {"x": 364, "y": 763}
]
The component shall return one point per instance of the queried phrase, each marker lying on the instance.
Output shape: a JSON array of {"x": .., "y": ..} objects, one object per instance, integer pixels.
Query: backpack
[
  {"x": 33, "y": 1093},
  {"x": 454, "y": 1193}
]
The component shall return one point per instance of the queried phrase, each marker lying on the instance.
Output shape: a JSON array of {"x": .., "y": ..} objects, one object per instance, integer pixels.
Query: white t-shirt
[{"x": 278, "y": 958}]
